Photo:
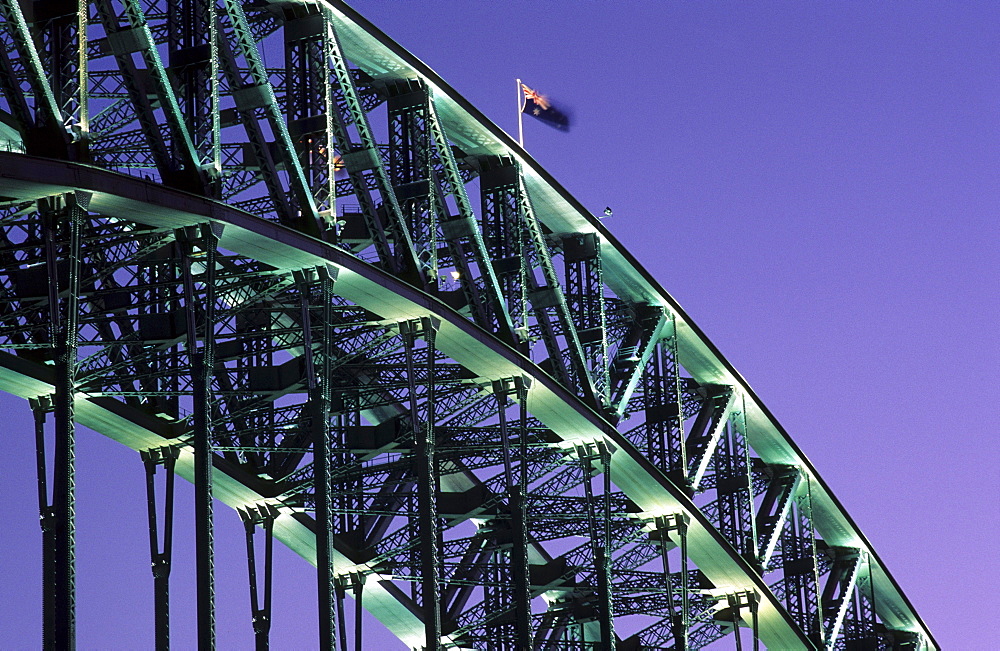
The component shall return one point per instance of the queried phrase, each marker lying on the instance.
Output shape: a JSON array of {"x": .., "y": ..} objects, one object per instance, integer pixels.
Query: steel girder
[{"x": 348, "y": 363}]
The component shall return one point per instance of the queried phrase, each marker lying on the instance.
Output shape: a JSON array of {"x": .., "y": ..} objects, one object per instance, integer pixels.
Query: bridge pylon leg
[
  {"x": 425, "y": 459},
  {"x": 200, "y": 243},
  {"x": 672, "y": 530},
  {"x": 318, "y": 380},
  {"x": 160, "y": 553},
  {"x": 260, "y": 608},
  {"x": 517, "y": 486},
  {"x": 39, "y": 408},
  {"x": 596, "y": 458},
  {"x": 62, "y": 224}
]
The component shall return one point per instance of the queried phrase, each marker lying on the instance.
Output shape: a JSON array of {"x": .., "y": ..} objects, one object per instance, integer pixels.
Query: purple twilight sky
[{"x": 816, "y": 183}]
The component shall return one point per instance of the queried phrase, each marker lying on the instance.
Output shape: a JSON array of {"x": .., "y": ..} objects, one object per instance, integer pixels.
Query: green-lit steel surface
[{"x": 284, "y": 230}]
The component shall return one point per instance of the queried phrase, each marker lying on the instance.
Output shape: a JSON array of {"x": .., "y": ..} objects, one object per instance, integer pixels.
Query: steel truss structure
[{"x": 331, "y": 294}]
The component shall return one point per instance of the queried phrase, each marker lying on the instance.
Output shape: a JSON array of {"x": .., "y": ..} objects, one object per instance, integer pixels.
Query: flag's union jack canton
[{"x": 539, "y": 106}]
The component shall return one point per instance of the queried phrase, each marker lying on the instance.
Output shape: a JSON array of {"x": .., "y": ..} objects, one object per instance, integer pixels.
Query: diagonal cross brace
[
  {"x": 12, "y": 14},
  {"x": 838, "y": 591},
  {"x": 639, "y": 342},
  {"x": 266, "y": 100},
  {"x": 717, "y": 409},
  {"x": 456, "y": 187},
  {"x": 774, "y": 510},
  {"x": 364, "y": 158}
]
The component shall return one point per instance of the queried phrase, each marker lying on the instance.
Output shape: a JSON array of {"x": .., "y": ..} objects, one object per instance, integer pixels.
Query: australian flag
[{"x": 539, "y": 106}]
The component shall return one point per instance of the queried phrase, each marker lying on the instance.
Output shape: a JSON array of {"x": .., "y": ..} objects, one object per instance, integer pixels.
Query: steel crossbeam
[{"x": 361, "y": 378}]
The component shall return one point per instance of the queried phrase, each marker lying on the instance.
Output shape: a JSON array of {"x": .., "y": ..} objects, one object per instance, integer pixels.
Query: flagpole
[{"x": 520, "y": 116}]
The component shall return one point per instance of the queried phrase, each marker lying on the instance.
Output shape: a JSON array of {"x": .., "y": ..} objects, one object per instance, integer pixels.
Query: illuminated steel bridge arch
[{"x": 476, "y": 415}]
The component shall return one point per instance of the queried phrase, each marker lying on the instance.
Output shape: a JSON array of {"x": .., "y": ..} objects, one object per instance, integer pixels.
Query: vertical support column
[
  {"x": 364, "y": 165},
  {"x": 503, "y": 239},
  {"x": 669, "y": 528},
  {"x": 517, "y": 247},
  {"x": 461, "y": 232},
  {"x": 774, "y": 509},
  {"x": 425, "y": 458},
  {"x": 731, "y": 608},
  {"x": 677, "y": 440},
  {"x": 46, "y": 135},
  {"x": 201, "y": 243},
  {"x": 548, "y": 302},
  {"x": 861, "y": 625},
  {"x": 585, "y": 299},
  {"x": 63, "y": 213},
  {"x": 359, "y": 593},
  {"x": 293, "y": 200},
  {"x": 734, "y": 484},
  {"x": 708, "y": 429},
  {"x": 839, "y": 590},
  {"x": 516, "y": 495},
  {"x": 752, "y": 553},
  {"x": 59, "y": 28},
  {"x": 800, "y": 565},
  {"x": 182, "y": 142},
  {"x": 814, "y": 554},
  {"x": 260, "y": 609},
  {"x": 410, "y": 171},
  {"x": 320, "y": 395},
  {"x": 39, "y": 407},
  {"x": 597, "y": 458},
  {"x": 308, "y": 102},
  {"x": 341, "y": 593},
  {"x": 603, "y": 558},
  {"x": 64, "y": 497},
  {"x": 160, "y": 553},
  {"x": 635, "y": 351},
  {"x": 193, "y": 52},
  {"x": 665, "y": 438}
]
